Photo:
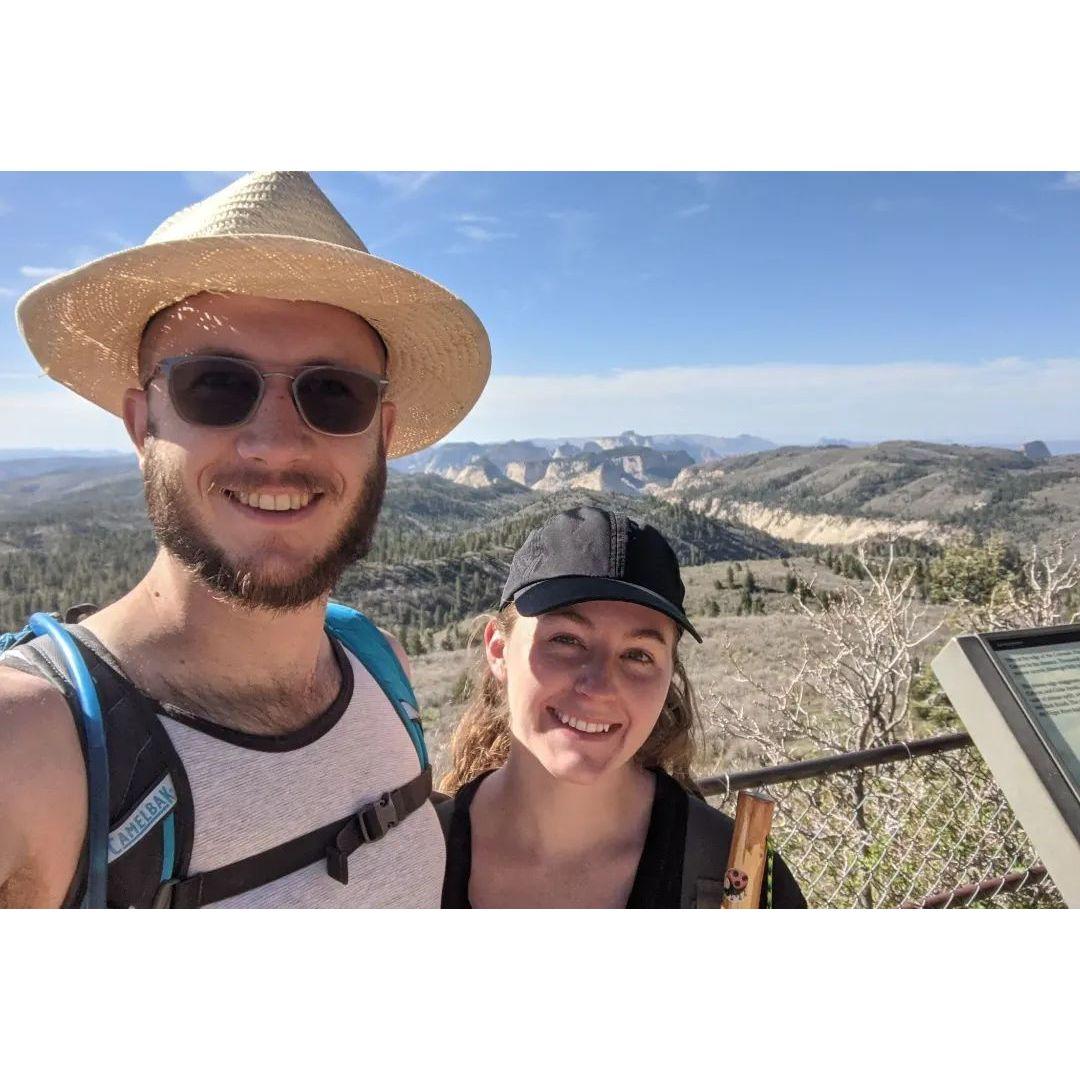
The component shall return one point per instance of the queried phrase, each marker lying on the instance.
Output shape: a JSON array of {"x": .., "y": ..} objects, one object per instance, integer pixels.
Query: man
[{"x": 264, "y": 365}]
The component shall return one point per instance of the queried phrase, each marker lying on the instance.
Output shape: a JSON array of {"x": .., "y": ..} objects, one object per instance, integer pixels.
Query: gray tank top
[{"x": 253, "y": 792}]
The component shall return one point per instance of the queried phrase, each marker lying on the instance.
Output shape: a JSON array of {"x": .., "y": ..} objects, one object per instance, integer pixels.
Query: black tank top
[{"x": 657, "y": 883}]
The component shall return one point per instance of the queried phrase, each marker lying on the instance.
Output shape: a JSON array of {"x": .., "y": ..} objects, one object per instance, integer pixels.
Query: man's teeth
[
  {"x": 261, "y": 500},
  {"x": 581, "y": 725}
]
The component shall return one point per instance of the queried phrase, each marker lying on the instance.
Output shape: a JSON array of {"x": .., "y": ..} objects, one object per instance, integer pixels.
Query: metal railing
[{"x": 911, "y": 824}]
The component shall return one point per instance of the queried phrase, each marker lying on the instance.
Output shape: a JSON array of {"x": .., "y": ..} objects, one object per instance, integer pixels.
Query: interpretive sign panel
[
  {"x": 1018, "y": 694},
  {"x": 1047, "y": 680}
]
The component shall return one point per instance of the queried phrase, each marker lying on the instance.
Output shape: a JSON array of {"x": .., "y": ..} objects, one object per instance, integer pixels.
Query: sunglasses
[{"x": 225, "y": 391}]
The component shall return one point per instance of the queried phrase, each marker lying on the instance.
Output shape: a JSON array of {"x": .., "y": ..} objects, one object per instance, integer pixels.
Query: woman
[{"x": 571, "y": 765}]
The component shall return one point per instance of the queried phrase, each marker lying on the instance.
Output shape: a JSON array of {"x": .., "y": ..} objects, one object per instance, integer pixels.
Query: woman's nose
[{"x": 595, "y": 676}]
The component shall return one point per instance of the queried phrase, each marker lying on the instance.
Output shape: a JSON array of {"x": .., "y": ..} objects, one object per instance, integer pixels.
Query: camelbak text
[{"x": 143, "y": 818}]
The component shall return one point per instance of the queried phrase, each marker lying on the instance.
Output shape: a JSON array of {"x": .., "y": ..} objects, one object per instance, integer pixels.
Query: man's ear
[
  {"x": 137, "y": 419},
  {"x": 388, "y": 418},
  {"x": 495, "y": 650}
]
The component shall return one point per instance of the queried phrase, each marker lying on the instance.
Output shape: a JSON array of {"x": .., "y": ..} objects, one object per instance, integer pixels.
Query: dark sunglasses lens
[
  {"x": 215, "y": 391},
  {"x": 336, "y": 401}
]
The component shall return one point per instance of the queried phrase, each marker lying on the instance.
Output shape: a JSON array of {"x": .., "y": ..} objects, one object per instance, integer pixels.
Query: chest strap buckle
[{"x": 370, "y": 823}]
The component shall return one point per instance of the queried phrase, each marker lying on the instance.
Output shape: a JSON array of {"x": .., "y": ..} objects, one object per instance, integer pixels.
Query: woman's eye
[
  {"x": 640, "y": 656},
  {"x": 565, "y": 639}
]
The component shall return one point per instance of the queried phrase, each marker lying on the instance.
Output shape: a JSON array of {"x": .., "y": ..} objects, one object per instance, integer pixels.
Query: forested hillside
[{"x": 440, "y": 554}]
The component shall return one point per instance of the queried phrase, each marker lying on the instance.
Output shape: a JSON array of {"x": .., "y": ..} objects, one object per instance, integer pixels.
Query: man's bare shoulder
[
  {"x": 31, "y": 708},
  {"x": 43, "y": 791}
]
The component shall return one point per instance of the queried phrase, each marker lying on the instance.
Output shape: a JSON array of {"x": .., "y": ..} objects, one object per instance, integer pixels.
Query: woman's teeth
[
  {"x": 580, "y": 725},
  {"x": 261, "y": 500}
]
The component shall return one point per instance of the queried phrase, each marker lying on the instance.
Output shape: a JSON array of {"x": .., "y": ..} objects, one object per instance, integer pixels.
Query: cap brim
[{"x": 545, "y": 596}]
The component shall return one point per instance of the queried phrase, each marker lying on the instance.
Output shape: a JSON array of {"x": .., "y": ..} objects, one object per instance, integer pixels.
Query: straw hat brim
[{"x": 84, "y": 327}]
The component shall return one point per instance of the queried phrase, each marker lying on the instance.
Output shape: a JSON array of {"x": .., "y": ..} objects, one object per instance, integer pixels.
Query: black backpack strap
[
  {"x": 149, "y": 840},
  {"x": 334, "y": 843},
  {"x": 708, "y": 842},
  {"x": 709, "y": 833},
  {"x": 444, "y": 807}
]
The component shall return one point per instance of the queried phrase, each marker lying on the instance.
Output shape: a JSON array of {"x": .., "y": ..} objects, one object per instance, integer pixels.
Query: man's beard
[{"x": 178, "y": 532}]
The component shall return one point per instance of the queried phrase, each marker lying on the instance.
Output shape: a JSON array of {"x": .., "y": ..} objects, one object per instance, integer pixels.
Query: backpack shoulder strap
[
  {"x": 444, "y": 807},
  {"x": 709, "y": 833},
  {"x": 708, "y": 842},
  {"x": 369, "y": 645},
  {"x": 145, "y": 798}
]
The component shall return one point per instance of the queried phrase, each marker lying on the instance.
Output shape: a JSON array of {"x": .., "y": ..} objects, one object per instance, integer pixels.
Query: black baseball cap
[{"x": 593, "y": 554}]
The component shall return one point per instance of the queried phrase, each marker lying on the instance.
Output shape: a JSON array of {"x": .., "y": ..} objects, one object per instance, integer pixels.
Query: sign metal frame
[{"x": 1038, "y": 773}]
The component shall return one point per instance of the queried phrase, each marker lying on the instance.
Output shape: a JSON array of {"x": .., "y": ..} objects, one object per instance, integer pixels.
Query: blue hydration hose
[{"x": 97, "y": 761}]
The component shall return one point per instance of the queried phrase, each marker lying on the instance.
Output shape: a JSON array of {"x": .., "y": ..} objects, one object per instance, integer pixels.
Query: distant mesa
[
  {"x": 628, "y": 462},
  {"x": 526, "y": 472},
  {"x": 1036, "y": 451},
  {"x": 481, "y": 473},
  {"x": 827, "y": 441}
]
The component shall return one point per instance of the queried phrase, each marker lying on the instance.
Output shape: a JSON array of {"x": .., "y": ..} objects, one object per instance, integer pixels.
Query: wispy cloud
[
  {"x": 206, "y": 183},
  {"x": 481, "y": 235},
  {"x": 475, "y": 230},
  {"x": 709, "y": 181},
  {"x": 1006, "y": 211},
  {"x": 1026, "y": 399},
  {"x": 1069, "y": 181},
  {"x": 403, "y": 185},
  {"x": 7, "y": 293},
  {"x": 692, "y": 211},
  {"x": 478, "y": 219},
  {"x": 39, "y": 273}
]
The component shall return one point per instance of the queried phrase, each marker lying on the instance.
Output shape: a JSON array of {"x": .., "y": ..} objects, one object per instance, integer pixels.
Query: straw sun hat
[{"x": 276, "y": 235}]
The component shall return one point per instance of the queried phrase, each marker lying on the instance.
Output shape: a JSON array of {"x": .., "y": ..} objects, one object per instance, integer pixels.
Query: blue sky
[{"x": 787, "y": 305}]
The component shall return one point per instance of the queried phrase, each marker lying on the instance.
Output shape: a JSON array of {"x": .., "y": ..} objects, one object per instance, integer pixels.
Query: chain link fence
[{"x": 919, "y": 824}]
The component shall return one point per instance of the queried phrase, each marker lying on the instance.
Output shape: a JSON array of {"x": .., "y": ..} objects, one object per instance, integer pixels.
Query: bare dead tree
[
  {"x": 851, "y": 688},
  {"x": 1049, "y": 586}
]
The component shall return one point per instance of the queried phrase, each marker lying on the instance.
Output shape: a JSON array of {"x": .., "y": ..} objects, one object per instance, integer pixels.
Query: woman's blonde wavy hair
[{"x": 482, "y": 739}]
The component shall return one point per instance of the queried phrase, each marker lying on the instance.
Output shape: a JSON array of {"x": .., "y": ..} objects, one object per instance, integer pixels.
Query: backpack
[{"x": 140, "y": 825}]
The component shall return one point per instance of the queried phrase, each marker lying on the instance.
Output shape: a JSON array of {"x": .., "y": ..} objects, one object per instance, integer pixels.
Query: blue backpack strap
[{"x": 369, "y": 645}]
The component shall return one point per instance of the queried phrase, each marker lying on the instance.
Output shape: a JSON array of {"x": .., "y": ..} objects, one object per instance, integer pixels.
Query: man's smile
[{"x": 264, "y": 504}]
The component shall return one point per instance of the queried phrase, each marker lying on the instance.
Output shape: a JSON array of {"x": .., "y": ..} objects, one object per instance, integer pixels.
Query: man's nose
[{"x": 276, "y": 434}]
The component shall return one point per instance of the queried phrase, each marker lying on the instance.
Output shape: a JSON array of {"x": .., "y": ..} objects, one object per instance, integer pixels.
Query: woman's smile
[{"x": 582, "y": 726}]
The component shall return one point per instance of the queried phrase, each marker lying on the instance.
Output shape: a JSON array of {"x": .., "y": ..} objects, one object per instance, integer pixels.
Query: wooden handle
[{"x": 746, "y": 862}]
